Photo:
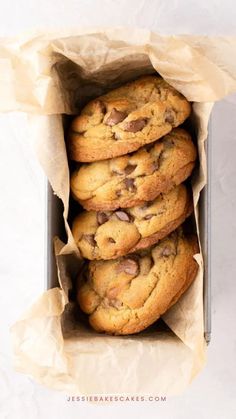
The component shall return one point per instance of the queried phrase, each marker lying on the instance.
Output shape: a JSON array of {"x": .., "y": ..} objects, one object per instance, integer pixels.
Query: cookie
[
  {"x": 130, "y": 180},
  {"x": 126, "y": 295},
  {"x": 126, "y": 119},
  {"x": 110, "y": 234}
]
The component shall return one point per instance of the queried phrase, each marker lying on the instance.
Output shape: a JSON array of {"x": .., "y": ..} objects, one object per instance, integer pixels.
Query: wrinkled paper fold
[{"x": 53, "y": 74}]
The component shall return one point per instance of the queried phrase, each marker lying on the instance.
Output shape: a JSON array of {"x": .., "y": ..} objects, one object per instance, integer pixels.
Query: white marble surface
[{"x": 212, "y": 394}]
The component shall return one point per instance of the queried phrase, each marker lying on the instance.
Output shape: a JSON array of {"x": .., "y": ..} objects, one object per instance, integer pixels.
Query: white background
[{"x": 213, "y": 392}]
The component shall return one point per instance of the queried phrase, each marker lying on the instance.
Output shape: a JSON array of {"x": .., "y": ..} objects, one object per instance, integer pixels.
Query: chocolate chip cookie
[
  {"x": 125, "y": 119},
  {"x": 126, "y": 295},
  {"x": 130, "y": 180},
  {"x": 109, "y": 234}
]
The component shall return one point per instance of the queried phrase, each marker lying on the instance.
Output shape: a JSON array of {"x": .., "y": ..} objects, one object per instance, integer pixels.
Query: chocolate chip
[
  {"x": 130, "y": 168},
  {"x": 135, "y": 126},
  {"x": 118, "y": 194},
  {"x": 90, "y": 239},
  {"x": 102, "y": 218},
  {"x": 167, "y": 251},
  {"x": 169, "y": 116},
  {"x": 129, "y": 184},
  {"x": 155, "y": 166},
  {"x": 115, "y": 117},
  {"x": 122, "y": 215},
  {"x": 129, "y": 266},
  {"x": 111, "y": 240},
  {"x": 148, "y": 216}
]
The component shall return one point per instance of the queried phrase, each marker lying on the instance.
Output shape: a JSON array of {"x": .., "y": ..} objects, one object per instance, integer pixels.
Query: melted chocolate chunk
[
  {"x": 102, "y": 217},
  {"x": 122, "y": 215},
  {"x": 169, "y": 116},
  {"x": 129, "y": 266},
  {"x": 155, "y": 166},
  {"x": 90, "y": 239},
  {"x": 148, "y": 216},
  {"x": 130, "y": 168},
  {"x": 135, "y": 126},
  {"x": 129, "y": 184},
  {"x": 115, "y": 117},
  {"x": 167, "y": 251}
]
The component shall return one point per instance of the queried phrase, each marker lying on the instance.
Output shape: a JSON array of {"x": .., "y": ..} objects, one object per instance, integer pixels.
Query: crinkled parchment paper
[{"x": 51, "y": 74}]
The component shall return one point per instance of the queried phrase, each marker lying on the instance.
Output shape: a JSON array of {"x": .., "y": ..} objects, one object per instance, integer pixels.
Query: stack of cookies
[{"x": 130, "y": 184}]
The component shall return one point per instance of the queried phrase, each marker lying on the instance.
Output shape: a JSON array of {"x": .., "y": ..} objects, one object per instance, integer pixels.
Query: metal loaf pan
[{"x": 55, "y": 227}]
